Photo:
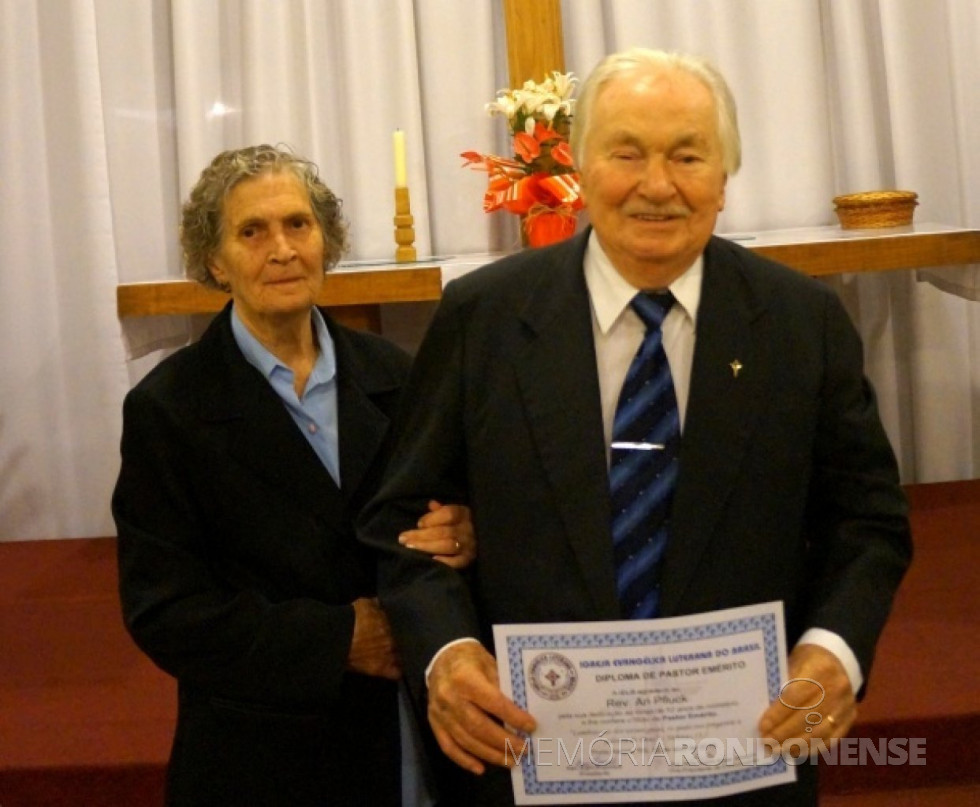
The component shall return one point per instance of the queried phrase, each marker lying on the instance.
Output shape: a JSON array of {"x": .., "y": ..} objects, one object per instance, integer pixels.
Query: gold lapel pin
[{"x": 736, "y": 368}]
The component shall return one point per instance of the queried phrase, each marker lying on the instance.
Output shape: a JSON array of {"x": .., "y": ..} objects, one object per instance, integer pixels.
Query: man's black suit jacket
[
  {"x": 788, "y": 488},
  {"x": 238, "y": 564}
]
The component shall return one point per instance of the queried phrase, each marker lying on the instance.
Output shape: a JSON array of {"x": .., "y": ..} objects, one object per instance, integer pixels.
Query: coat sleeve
[
  {"x": 428, "y": 603},
  {"x": 187, "y": 606},
  {"x": 857, "y": 511}
]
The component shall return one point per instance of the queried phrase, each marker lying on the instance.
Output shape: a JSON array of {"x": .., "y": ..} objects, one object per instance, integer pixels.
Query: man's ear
[{"x": 582, "y": 192}]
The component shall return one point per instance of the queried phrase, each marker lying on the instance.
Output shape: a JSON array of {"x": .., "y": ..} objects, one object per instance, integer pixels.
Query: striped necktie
[{"x": 643, "y": 466}]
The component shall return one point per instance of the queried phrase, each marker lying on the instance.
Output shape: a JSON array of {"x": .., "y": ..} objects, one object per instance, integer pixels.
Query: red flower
[
  {"x": 561, "y": 153},
  {"x": 526, "y": 147},
  {"x": 544, "y": 134}
]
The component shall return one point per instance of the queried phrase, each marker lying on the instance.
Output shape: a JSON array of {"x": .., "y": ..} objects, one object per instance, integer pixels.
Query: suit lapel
[
  {"x": 260, "y": 433},
  {"x": 723, "y": 409},
  {"x": 557, "y": 377},
  {"x": 362, "y": 425}
]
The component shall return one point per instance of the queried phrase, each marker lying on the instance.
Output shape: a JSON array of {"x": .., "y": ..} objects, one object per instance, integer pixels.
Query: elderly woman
[{"x": 246, "y": 458}]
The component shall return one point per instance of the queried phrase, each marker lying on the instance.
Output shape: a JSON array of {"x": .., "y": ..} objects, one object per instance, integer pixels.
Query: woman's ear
[{"x": 217, "y": 272}]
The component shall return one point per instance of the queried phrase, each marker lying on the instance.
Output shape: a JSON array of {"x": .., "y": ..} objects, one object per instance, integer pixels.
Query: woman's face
[{"x": 271, "y": 250}]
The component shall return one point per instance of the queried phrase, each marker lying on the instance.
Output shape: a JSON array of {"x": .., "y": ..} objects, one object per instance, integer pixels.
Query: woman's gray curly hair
[{"x": 200, "y": 229}]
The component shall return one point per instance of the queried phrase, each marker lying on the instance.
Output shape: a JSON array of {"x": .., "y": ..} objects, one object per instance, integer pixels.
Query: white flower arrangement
[
  {"x": 549, "y": 101},
  {"x": 539, "y": 182}
]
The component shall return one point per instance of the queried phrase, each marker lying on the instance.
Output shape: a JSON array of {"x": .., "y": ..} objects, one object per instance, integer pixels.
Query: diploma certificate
[{"x": 645, "y": 710}]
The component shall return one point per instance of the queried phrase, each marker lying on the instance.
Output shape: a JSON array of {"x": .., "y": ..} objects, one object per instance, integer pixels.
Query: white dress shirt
[{"x": 618, "y": 330}]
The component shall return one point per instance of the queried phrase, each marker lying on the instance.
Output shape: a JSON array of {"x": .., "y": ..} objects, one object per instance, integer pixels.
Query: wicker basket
[{"x": 875, "y": 209}]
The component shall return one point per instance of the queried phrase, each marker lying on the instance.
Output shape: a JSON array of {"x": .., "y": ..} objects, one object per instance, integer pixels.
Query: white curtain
[{"x": 109, "y": 109}]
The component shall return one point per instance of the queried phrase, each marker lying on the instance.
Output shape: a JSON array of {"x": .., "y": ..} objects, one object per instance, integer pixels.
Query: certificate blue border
[{"x": 516, "y": 645}]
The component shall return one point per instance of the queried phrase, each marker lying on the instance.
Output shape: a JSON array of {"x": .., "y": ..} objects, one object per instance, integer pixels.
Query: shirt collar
[
  {"x": 611, "y": 293},
  {"x": 266, "y": 363}
]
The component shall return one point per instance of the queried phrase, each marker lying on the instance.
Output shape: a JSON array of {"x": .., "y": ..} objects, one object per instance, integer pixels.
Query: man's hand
[
  {"x": 464, "y": 699},
  {"x": 372, "y": 648},
  {"x": 828, "y": 714},
  {"x": 446, "y": 532}
]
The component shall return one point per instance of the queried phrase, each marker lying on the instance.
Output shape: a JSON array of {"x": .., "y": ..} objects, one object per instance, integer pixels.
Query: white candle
[{"x": 398, "y": 139}]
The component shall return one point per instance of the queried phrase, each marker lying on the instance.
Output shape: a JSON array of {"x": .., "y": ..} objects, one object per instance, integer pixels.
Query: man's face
[
  {"x": 652, "y": 173},
  {"x": 271, "y": 251}
]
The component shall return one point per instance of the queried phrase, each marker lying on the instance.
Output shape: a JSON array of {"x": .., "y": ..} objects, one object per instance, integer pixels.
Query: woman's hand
[
  {"x": 372, "y": 648},
  {"x": 446, "y": 532}
]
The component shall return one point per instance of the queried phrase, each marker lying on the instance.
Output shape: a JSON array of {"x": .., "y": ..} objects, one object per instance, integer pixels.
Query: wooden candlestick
[{"x": 404, "y": 227}]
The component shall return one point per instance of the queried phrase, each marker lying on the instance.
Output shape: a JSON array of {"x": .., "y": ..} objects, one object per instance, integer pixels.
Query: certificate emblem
[{"x": 552, "y": 676}]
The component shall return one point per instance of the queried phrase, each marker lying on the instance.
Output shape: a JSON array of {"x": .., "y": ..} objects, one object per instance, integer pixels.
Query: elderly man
[{"x": 767, "y": 472}]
